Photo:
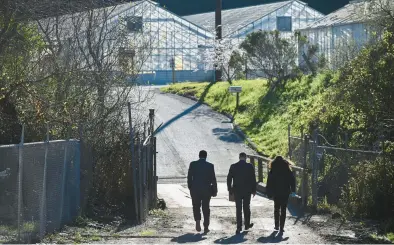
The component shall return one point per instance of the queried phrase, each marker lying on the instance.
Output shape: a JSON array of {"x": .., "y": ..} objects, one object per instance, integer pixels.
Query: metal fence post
[
  {"x": 139, "y": 153},
  {"x": 44, "y": 188},
  {"x": 133, "y": 167},
  {"x": 20, "y": 179},
  {"x": 314, "y": 169},
  {"x": 64, "y": 178},
  {"x": 154, "y": 172},
  {"x": 305, "y": 172}
]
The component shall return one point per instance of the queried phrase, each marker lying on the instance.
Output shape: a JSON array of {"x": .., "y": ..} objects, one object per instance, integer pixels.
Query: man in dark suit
[
  {"x": 201, "y": 180},
  {"x": 243, "y": 180}
]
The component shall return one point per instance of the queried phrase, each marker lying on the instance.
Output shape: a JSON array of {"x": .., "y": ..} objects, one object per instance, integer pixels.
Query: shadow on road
[
  {"x": 275, "y": 237},
  {"x": 188, "y": 110},
  {"x": 227, "y": 134},
  {"x": 189, "y": 237},
  {"x": 232, "y": 240},
  {"x": 177, "y": 117}
]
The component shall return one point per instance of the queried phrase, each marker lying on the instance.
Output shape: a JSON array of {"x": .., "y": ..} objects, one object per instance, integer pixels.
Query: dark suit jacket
[
  {"x": 242, "y": 177},
  {"x": 280, "y": 184},
  {"x": 201, "y": 178}
]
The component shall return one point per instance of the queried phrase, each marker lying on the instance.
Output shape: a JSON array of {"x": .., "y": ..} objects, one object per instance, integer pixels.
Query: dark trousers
[
  {"x": 280, "y": 204},
  {"x": 242, "y": 200},
  {"x": 203, "y": 201}
]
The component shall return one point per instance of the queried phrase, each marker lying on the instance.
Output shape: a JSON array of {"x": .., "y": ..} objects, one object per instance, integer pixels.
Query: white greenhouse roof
[
  {"x": 354, "y": 12},
  {"x": 234, "y": 19}
]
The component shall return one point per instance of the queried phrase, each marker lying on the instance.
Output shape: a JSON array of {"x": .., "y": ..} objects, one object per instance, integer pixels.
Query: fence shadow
[
  {"x": 189, "y": 238},
  {"x": 236, "y": 239},
  {"x": 227, "y": 135},
  {"x": 274, "y": 237}
]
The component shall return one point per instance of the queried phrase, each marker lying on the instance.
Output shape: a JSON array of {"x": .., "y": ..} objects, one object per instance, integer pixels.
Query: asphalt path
[{"x": 189, "y": 127}]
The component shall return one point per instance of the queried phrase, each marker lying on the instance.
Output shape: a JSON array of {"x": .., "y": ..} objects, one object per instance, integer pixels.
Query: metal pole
[
  {"x": 154, "y": 171},
  {"x": 218, "y": 26},
  {"x": 133, "y": 167},
  {"x": 314, "y": 169},
  {"x": 305, "y": 172},
  {"x": 20, "y": 178},
  {"x": 63, "y": 182},
  {"x": 44, "y": 188}
]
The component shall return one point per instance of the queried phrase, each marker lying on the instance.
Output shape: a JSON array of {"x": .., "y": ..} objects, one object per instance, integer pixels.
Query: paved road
[
  {"x": 178, "y": 225},
  {"x": 189, "y": 127}
]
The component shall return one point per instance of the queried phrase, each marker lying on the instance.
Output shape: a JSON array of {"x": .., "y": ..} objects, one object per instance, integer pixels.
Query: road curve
[{"x": 189, "y": 127}]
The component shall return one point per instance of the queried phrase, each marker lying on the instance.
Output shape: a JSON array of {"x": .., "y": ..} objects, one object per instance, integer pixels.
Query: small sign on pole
[{"x": 235, "y": 89}]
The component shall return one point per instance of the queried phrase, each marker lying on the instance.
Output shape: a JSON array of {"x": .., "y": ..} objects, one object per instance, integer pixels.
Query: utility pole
[{"x": 218, "y": 26}]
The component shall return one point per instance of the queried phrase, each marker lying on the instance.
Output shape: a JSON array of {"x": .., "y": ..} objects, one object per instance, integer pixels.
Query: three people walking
[{"x": 241, "y": 182}]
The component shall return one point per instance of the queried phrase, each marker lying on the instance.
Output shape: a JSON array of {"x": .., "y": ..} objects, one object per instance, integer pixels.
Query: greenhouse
[
  {"x": 173, "y": 48},
  {"x": 180, "y": 42},
  {"x": 340, "y": 35}
]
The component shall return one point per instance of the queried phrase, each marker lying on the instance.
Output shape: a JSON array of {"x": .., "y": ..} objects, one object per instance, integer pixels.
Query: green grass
[
  {"x": 263, "y": 116},
  {"x": 390, "y": 236},
  {"x": 148, "y": 233}
]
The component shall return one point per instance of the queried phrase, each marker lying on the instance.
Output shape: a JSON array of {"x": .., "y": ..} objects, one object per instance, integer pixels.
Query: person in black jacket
[
  {"x": 201, "y": 181},
  {"x": 241, "y": 181},
  {"x": 280, "y": 184}
]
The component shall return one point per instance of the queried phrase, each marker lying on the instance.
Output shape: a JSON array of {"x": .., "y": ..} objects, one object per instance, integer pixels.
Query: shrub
[{"x": 369, "y": 193}]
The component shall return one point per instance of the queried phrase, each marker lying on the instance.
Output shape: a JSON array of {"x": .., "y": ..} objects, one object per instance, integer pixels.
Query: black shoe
[
  {"x": 276, "y": 228},
  {"x": 247, "y": 227},
  {"x": 206, "y": 230},
  {"x": 282, "y": 230},
  {"x": 238, "y": 232}
]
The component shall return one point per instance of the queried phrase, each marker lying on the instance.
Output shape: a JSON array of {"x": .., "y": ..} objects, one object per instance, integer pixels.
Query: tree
[{"x": 270, "y": 55}]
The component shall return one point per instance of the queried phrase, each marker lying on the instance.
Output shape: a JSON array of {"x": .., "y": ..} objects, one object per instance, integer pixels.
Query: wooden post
[
  {"x": 289, "y": 140},
  {"x": 260, "y": 169},
  {"x": 237, "y": 105}
]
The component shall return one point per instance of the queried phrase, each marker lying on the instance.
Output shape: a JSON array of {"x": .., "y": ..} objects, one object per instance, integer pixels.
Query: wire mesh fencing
[
  {"x": 327, "y": 168},
  {"x": 39, "y": 188}
]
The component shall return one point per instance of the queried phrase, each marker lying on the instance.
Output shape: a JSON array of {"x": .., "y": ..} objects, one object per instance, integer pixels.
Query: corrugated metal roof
[
  {"x": 234, "y": 19},
  {"x": 354, "y": 12}
]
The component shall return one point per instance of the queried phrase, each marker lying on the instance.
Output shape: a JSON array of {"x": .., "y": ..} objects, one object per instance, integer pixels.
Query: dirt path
[{"x": 176, "y": 224}]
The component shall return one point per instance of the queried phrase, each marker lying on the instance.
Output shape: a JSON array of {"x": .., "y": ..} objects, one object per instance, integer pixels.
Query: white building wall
[{"x": 338, "y": 44}]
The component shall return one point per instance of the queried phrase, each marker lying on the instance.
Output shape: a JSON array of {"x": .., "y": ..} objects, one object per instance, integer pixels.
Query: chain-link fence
[
  {"x": 328, "y": 168},
  {"x": 40, "y": 188}
]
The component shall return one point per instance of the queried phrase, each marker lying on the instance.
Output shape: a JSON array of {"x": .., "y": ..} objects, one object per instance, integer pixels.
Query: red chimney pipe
[{"x": 218, "y": 26}]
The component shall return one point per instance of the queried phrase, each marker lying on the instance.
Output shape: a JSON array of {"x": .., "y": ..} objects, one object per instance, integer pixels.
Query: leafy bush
[{"x": 369, "y": 193}]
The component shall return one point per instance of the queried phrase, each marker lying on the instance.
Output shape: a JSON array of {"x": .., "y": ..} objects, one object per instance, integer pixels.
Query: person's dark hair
[
  {"x": 242, "y": 154},
  {"x": 280, "y": 165},
  {"x": 203, "y": 154}
]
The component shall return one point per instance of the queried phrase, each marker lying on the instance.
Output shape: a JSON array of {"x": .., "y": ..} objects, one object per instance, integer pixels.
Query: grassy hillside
[{"x": 265, "y": 116}]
